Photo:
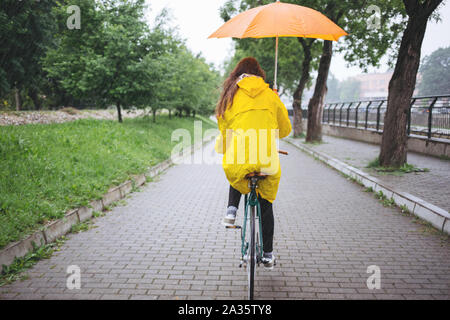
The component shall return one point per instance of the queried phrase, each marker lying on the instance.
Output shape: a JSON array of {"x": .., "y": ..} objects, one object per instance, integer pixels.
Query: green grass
[
  {"x": 314, "y": 143},
  {"x": 300, "y": 136},
  {"x": 45, "y": 170},
  {"x": 15, "y": 271},
  {"x": 406, "y": 168},
  {"x": 350, "y": 178},
  {"x": 82, "y": 226}
]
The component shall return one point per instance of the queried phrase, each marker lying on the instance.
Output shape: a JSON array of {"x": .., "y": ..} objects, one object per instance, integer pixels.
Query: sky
[{"x": 197, "y": 19}]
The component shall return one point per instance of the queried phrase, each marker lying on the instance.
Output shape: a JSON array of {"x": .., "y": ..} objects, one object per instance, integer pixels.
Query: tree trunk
[
  {"x": 119, "y": 112},
  {"x": 154, "y": 115},
  {"x": 35, "y": 97},
  {"x": 315, "y": 105},
  {"x": 297, "y": 103},
  {"x": 170, "y": 114},
  {"x": 18, "y": 100},
  {"x": 393, "y": 151}
]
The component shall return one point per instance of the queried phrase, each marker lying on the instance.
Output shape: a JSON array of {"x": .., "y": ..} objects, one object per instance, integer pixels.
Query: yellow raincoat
[{"x": 249, "y": 130}]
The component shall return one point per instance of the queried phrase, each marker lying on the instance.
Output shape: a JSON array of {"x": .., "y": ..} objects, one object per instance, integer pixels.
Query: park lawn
[{"x": 45, "y": 170}]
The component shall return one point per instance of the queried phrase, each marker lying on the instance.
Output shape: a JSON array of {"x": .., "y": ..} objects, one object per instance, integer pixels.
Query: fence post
[
  {"x": 328, "y": 113},
  {"x": 334, "y": 113},
  {"x": 356, "y": 114},
  {"x": 348, "y": 113},
  {"x": 430, "y": 117},
  {"x": 305, "y": 113},
  {"x": 367, "y": 112},
  {"x": 409, "y": 116},
  {"x": 323, "y": 112},
  {"x": 378, "y": 115}
]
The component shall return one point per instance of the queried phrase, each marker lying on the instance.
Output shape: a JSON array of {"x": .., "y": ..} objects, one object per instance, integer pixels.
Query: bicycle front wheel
[{"x": 252, "y": 254}]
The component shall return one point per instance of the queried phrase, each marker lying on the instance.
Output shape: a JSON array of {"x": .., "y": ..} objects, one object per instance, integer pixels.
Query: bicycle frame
[
  {"x": 252, "y": 249},
  {"x": 251, "y": 202}
]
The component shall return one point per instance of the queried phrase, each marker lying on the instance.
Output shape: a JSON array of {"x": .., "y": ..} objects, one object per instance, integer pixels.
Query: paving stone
[
  {"x": 431, "y": 186},
  {"x": 167, "y": 243}
]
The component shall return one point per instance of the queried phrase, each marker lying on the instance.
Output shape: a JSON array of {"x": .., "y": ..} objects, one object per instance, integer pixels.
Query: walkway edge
[
  {"x": 438, "y": 217},
  {"x": 58, "y": 228}
]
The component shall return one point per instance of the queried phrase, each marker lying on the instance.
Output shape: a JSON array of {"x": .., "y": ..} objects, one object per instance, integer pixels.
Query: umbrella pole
[{"x": 276, "y": 65}]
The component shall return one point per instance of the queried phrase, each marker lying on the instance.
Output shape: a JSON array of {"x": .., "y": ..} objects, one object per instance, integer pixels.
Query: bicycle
[{"x": 252, "y": 244}]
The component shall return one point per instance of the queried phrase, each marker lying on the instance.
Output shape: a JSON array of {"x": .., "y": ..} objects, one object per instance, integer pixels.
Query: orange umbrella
[{"x": 280, "y": 19}]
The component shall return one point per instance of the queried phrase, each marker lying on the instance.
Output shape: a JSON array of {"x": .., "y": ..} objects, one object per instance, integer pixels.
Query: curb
[
  {"x": 438, "y": 217},
  {"x": 60, "y": 227}
]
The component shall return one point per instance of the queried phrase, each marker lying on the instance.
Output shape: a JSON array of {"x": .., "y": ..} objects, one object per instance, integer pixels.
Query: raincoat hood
[{"x": 253, "y": 85}]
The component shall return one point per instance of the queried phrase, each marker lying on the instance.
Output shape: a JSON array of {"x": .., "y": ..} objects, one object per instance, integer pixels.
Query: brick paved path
[
  {"x": 167, "y": 243},
  {"x": 432, "y": 186}
]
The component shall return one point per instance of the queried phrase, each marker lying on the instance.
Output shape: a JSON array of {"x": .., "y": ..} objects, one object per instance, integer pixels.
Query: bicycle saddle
[{"x": 257, "y": 175}]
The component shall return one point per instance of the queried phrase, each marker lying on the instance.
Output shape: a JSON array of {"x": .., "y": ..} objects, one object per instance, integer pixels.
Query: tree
[
  {"x": 374, "y": 31},
  {"x": 362, "y": 46},
  {"x": 435, "y": 73},
  {"x": 118, "y": 73},
  {"x": 393, "y": 150},
  {"x": 26, "y": 31},
  {"x": 315, "y": 105},
  {"x": 117, "y": 59},
  {"x": 75, "y": 51},
  {"x": 305, "y": 80},
  {"x": 104, "y": 58},
  {"x": 207, "y": 86},
  {"x": 197, "y": 84}
]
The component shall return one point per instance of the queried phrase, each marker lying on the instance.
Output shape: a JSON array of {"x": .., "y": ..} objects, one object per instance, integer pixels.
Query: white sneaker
[
  {"x": 229, "y": 220},
  {"x": 268, "y": 262}
]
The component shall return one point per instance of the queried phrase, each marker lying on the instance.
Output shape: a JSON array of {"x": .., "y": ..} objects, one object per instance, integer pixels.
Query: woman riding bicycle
[{"x": 251, "y": 118}]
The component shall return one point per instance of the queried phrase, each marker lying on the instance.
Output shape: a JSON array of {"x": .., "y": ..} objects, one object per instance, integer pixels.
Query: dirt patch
[{"x": 68, "y": 114}]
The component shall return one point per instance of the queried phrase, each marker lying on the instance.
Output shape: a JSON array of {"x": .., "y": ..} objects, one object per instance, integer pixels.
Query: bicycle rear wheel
[{"x": 251, "y": 264}]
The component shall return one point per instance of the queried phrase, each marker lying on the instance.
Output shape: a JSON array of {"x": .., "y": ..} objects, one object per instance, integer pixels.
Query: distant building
[
  {"x": 372, "y": 86},
  {"x": 376, "y": 85}
]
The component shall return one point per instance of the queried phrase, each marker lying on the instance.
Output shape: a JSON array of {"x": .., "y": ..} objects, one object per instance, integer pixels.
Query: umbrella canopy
[{"x": 280, "y": 19}]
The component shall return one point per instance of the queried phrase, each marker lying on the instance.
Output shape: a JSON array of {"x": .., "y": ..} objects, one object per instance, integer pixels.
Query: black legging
[{"x": 267, "y": 219}]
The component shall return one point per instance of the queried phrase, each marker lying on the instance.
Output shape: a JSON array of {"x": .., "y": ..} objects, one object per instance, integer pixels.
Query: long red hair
[{"x": 247, "y": 65}]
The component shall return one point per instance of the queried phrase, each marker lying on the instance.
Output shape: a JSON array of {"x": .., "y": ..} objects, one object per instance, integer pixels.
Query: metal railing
[{"x": 428, "y": 116}]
